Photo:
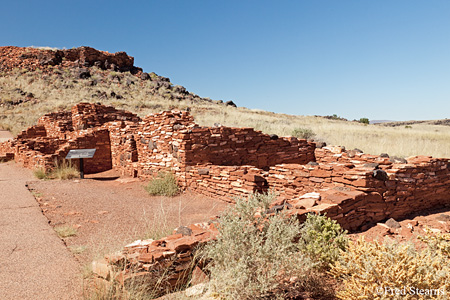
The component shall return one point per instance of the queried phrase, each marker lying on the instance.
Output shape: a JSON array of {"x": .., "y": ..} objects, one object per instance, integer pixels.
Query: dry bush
[
  {"x": 439, "y": 242},
  {"x": 255, "y": 254},
  {"x": 165, "y": 184},
  {"x": 373, "y": 270}
]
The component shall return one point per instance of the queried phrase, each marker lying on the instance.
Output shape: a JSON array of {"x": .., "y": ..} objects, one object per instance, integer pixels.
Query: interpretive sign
[{"x": 81, "y": 153}]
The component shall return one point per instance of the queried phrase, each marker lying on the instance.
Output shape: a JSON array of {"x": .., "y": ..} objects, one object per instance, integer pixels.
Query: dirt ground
[
  {"x": 5, "y": 135},
  {"x": 108, "y": 212}
]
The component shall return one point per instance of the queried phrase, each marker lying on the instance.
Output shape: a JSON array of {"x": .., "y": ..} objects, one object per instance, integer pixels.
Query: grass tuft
[
  {"x": 64, "y": 170},
  {"x": 165, "y": 184},
  {"x": 40, "y": 174},
  {"x": 65, "y": 231}
]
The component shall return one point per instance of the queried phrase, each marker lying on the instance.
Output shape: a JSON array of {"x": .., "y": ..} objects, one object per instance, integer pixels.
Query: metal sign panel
[{"x": 81, "y": 153}]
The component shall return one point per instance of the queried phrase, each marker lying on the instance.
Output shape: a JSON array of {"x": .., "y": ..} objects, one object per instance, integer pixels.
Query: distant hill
[
  {"x": 445, "y": 122},
  {"x": 380, "y": 121}
]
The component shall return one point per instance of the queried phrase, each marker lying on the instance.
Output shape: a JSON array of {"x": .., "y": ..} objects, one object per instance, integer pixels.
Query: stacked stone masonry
[{"x": 354, "y": 188}]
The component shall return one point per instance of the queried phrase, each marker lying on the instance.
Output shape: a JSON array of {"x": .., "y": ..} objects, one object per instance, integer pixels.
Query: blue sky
[{"x": 376, "y": 59}]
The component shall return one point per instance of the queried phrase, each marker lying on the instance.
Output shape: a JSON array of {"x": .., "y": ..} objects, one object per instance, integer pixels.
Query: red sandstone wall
[
  {"x": 243, "y": 146},
  {"x": 57, "y": 124},
  {"x": 150, "y": 146},
  {"x": 90, "y": 115},
  {"x": 224, "y": 182},
  {"x": 92, "y": 139},
  {"x": 33, "y": 132},
  {"x": 228, "y": 162}
]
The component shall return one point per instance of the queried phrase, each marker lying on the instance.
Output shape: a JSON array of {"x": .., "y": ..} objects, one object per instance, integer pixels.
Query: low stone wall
[
  {"x": 170, "y": 258},
  {"x": 387, "y": 190},
  {"x": 224, "y": 182},
  {"x": 33, "y": 132},
  {"x": 227, "y": 146}
]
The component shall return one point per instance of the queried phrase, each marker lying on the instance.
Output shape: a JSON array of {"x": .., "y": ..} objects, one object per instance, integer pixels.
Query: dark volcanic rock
[
  {"x": 273, "y": 137},
  {"x": 145, "y": 76},
  {"x": 380, "y": 175},
  {"x": 82, "y": 73},
  {"x": 230, "y": 103}
]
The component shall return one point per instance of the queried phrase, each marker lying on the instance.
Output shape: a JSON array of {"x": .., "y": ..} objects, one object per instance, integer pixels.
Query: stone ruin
[
  {"x": 355, "y": 189},
  {"x": 35, "y": 58}
]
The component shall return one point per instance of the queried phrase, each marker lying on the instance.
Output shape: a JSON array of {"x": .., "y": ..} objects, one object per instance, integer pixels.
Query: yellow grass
[{"x": 53, "y": 93}]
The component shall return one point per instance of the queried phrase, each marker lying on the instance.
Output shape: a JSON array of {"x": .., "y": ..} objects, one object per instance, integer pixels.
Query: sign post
[{"x": 80, "y": 154}]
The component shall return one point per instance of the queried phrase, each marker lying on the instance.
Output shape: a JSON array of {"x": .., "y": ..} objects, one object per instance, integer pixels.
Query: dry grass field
[{"x": 61, "y": 90}]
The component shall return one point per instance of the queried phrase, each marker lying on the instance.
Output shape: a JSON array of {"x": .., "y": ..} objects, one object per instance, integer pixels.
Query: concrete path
[{"x": 34, "y": 262}]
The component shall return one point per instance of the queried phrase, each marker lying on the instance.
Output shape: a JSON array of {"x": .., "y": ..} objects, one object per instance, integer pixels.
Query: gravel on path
[{"x": 34, "y": 262}]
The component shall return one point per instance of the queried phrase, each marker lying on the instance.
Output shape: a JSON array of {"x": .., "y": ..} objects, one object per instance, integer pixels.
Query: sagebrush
[
  {"x": 256, "y": 255},
  {"x": 164, "y": 184}
]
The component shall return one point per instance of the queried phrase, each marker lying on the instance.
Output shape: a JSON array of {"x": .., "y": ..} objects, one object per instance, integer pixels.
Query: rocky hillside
[{"x": 44, "y": 80}]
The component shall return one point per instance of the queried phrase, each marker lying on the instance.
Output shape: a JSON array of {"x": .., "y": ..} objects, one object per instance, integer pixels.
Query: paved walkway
[{"x": 34, "y": 263}]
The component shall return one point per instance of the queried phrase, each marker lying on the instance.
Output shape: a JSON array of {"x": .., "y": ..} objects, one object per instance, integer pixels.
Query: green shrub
[
  {"x": 322, "y": 239},
  {"x": 364, "y": 121},
  {"x": 165, "y": 184},
  {"x": 303, "y": 133},
  {"x": 255, "y": 253}
]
